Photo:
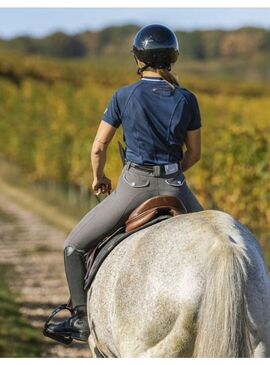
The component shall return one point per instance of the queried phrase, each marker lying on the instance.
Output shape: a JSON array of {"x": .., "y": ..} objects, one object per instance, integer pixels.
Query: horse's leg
[
  {"x": 260, "y": 338},
  {"x": 93, "y": 348},
  {"x": 261, "y": 350},
  {"x": 259, "y": 311},
  {"x": 92, "y": 345}
]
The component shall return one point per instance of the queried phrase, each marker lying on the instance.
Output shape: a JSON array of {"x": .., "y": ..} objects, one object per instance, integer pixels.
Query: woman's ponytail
[{"x": 168, "y": 76}]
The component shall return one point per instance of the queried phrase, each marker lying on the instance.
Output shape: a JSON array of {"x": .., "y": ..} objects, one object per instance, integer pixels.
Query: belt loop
[
  {"x": 128, "y": 164},
  {"x": 157, "y": 170}
]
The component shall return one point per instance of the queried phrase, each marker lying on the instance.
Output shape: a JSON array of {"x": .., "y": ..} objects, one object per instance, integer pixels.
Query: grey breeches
[{"x": 133, "y": 188}]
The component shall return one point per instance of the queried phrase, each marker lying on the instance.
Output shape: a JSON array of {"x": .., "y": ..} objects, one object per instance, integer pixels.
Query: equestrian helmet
[{"x": 156, "y": 46}]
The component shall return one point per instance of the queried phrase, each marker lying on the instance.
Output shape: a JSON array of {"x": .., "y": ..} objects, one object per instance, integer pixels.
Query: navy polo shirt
[{"x": 155, "y": 119}]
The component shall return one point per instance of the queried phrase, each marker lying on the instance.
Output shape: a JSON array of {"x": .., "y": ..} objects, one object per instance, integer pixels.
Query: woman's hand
[
  {"x": 98, "y": 157},
  {"x": 102, "y": 185}
]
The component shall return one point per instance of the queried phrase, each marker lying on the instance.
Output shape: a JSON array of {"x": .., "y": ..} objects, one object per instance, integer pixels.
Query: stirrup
[{"x": 66, "y": 340}]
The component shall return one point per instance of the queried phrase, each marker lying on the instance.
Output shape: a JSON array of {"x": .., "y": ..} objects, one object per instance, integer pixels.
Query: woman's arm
[
  {"x": 193, "y": 152},
  {"x": 103, "y": 137}
]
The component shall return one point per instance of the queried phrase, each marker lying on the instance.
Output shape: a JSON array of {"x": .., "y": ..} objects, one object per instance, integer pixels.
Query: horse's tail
[{"x": 223, "y": 324}]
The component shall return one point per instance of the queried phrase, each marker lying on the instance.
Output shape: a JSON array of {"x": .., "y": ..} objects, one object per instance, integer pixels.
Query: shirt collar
[{"x": 152, "y": 78}]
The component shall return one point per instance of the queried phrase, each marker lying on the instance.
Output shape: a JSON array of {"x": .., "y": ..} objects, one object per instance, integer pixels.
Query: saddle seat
[{"x": 153, "y": 207}]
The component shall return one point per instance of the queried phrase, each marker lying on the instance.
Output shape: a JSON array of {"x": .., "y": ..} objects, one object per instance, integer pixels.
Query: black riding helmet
[{"x": 156, "y": 46}]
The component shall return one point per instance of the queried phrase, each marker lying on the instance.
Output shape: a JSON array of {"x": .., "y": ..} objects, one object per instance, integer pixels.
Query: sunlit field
[{"x": 50, "y": 110}]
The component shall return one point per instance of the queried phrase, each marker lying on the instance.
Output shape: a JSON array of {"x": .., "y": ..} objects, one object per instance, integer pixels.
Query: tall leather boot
[{"x": 75, "y": 327}]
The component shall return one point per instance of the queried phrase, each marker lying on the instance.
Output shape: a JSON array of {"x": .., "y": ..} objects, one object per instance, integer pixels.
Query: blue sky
[{"x": 39, "y": 22}]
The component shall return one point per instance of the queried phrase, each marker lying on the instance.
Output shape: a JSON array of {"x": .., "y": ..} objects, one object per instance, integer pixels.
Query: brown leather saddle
[
  {"x": 150, "y": 212},
  {"x": 151, "y": 208}
]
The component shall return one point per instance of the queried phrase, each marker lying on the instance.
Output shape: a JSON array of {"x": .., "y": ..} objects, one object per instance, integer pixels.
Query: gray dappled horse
[{"x": 193, "y": 285}]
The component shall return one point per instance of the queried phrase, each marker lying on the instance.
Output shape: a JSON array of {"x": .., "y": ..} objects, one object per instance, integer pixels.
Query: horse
[{"x": 194, "y": 285}]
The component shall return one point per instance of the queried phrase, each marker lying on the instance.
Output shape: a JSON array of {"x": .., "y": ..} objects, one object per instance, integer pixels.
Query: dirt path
[{"x": 34, "y": 248}]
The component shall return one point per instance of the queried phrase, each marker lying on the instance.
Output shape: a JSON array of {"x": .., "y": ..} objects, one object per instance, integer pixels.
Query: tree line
[{"x": 198, "y": 44}]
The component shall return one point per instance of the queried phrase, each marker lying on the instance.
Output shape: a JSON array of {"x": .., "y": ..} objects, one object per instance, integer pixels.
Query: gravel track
[{"x": 35, "y": 251}]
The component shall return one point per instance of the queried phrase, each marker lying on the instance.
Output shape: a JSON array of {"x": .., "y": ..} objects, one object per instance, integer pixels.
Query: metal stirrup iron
[{"x": 66, "y": 340}]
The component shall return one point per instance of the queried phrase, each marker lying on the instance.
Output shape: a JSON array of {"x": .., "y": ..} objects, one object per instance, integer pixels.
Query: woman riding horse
[{"x": 158, "y": 117}]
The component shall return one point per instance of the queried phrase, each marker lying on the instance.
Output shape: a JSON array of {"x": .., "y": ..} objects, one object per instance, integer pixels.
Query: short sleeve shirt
[{"x": 155, "y": 119}]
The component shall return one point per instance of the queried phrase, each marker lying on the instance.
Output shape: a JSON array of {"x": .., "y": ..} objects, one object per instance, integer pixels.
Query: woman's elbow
[
  {"x": 195, "y": 156},
  {"x": 98, "y": 149}
]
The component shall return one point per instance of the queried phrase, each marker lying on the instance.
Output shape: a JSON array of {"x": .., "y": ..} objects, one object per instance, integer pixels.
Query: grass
[
  {"x": 29, "y": 200},
  {"x": 58, "y": 206},
  {"x": 17, "y": 337},
  {"x": 7, "y": 217}
]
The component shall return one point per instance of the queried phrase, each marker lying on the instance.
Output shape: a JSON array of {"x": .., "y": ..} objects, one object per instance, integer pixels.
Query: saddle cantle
[
  {"x": 150, "y": 212},
  {"x": 153, "y": 207}
]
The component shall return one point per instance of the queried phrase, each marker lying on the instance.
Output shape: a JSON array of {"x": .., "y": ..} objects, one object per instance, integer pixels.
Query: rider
[{"x": 158, "y": 117}]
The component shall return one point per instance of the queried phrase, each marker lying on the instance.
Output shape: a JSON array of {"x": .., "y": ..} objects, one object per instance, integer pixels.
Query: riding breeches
[{"x": 133, "y": 188}]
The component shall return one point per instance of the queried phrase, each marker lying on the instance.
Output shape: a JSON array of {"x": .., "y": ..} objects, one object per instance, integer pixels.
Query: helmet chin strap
[{"x": 141, "y": 69}]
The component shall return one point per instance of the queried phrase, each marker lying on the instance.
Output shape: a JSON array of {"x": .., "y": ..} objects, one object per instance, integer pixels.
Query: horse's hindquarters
[
  {"x": 142, "y": 302},
  {"x": 146, "y": 297}
]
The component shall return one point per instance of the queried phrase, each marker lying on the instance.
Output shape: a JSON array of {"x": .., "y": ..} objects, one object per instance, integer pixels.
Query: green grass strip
[{"x": 17, "y": 337}]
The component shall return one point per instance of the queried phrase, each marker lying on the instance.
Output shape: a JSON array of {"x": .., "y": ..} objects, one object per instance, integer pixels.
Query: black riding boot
[{"x": 75, "y": 327}]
